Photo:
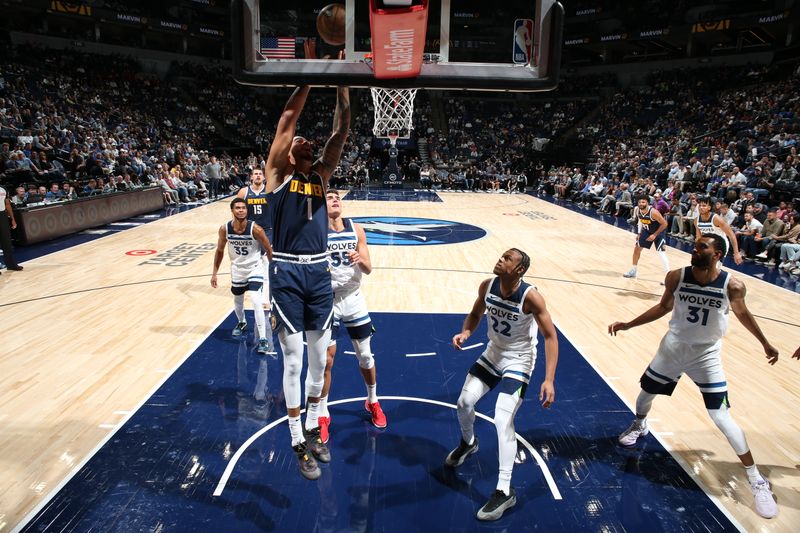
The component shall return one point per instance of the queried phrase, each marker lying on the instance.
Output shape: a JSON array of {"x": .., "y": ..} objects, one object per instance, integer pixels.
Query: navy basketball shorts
[
  {"x": 302, "y": 296},
  {"x": 659, "y": 241}
]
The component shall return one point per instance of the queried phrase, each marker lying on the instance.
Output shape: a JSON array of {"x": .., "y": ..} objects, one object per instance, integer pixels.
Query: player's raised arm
[
  {"x": 736, "y": 294},
  {"x": 332, "y": 151},
  {"x": 474, "y": 316},
  {"x": 663, "y": 307},
  {"x": 278, "y": 159}
]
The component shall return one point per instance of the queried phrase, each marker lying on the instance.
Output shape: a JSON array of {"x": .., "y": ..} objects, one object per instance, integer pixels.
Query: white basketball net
[{"x": 394, "y": 111}]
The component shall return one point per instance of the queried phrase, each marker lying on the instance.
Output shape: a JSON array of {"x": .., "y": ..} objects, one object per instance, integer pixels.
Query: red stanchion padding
[{"x": 398, "y": 39}]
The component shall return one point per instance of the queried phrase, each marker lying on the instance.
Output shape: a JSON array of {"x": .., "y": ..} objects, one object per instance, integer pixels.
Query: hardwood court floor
[{"x": 92, "y": 331}]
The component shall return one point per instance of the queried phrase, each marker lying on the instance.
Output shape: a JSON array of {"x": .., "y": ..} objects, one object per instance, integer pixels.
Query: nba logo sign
[{"x": 523, "y": 41}]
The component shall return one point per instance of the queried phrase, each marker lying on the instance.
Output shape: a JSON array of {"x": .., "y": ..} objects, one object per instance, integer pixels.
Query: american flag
[{"x": 277, "y": 47}]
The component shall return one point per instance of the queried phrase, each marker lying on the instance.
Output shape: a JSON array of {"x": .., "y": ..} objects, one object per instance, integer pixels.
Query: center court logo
[{"x": 402, "y": 231}]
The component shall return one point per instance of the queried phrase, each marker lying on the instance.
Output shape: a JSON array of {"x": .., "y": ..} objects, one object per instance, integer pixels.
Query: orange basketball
[{"x": 330, "y": 24}]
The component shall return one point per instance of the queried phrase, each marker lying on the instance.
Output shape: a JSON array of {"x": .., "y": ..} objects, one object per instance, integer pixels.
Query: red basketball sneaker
[
  {"x": 324, "y": 423},
  {"x": 378, "y": 418}
]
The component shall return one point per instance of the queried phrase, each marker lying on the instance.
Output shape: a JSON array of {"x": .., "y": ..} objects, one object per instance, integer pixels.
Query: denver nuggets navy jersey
[
  {"x": 646, "y": 220},
  {"x": 299, "y": 215},
  {"x": 700, "y": 312},
  {"x": 258, "y": 209},
  {"x": 344, "y": 276},
  {"x": 510, "y": 329}
]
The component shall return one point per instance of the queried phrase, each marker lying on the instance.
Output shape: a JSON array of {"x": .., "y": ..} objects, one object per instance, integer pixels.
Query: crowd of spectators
[
  {"x": 74, "y": 125},
  {"x": 728, "y": 134}
]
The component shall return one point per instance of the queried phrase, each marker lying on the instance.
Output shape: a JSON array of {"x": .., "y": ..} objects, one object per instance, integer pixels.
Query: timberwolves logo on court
[{"x": 402, "y": 231}]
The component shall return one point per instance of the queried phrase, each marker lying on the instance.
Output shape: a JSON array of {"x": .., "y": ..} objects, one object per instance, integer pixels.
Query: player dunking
[
  {"x": 651, "y": 232},
  {"x": 700, "y": 297},
  {"x": 349, "y": 259},
  {"x": 255, "y": 194},
  {"x": 246, "y": 242},
  {"x": 514, "y": 310},
  {"x": 299, "y": 276}
]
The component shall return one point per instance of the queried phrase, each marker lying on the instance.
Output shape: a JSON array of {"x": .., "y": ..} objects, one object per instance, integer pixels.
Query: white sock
[
  {"x": 753, "y": 475},
  {"x": 504, "y": 485},
  {"x": 238, "y": 307},
  {"x": 633, "y": 268},
  {"x": 664, "y": 260},
  {"x": 323, "y": 407},
  {"x": 372, "y": 393},
  {"x": 312, "y": 416},
  {"x": 296, "y": 430}
]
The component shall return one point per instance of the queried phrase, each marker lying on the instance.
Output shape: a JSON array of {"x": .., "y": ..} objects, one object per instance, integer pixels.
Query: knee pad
[
  {"x": 258, "y": 299},
  {"x": 472, "y": 391},
  {"x": 292, "y": 346},
  {"x": 722, "y": 419},
  {"x": 468, "y": 397},
  {"x": 318, "y": 342},
  {"x": 364, "y": 353},
  {"x": 504, "y": 411}
]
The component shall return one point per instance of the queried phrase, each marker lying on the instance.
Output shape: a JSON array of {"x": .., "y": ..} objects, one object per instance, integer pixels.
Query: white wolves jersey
[
  {"x": 700, "y": 312},
  {"x": 707, "y": 226},
  {"x": 243, "y": 249},
  {"x": 510, "y": 330},
  {"x": 344, "y": 276}
]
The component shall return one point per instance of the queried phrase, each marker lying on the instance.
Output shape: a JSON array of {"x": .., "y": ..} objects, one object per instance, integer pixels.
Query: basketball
[{"x": 330, "y": 24}]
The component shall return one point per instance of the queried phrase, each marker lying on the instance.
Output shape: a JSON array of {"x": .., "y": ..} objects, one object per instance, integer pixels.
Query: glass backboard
[{"x": 512, "y": 45}]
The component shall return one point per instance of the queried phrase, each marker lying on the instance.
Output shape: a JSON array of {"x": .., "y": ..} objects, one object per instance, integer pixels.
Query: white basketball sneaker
[
  {"x": 630, "y": 273},
  {"x": 634, "y": 432},
  {"x": 764, "y": 499}
]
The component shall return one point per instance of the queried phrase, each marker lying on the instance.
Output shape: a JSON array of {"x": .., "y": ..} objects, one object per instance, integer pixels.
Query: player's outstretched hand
[
  {"x": 772, "y": 353},
  {"x": 617, "y": 326},
  {"x": 459, "y": 339},
  {"x": 310, "y": 48},
  {"x": 547, "y": 394}
]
